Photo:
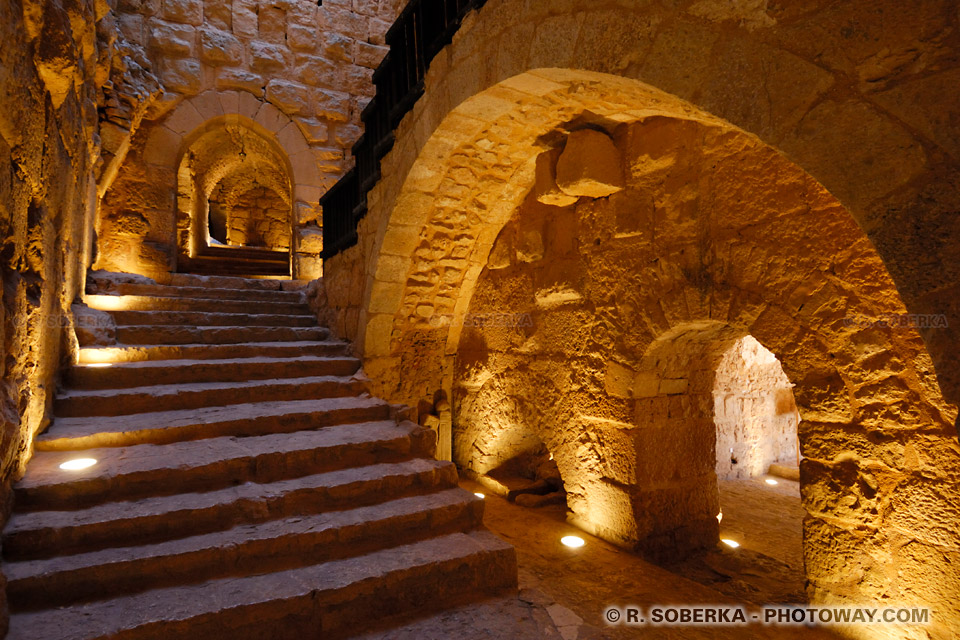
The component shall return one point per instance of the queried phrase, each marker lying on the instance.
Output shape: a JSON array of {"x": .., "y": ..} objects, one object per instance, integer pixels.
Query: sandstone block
[
  {"x": 589, "y": 165},
  {"x": 332, "y": 105},
  {"x": 545, "y": 181},
  {"x": 301, "y": 38}
]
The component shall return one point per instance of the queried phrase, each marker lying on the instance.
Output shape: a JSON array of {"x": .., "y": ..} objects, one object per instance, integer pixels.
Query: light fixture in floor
[
  {"x": 573, "y": 542},
  {"x": 479, "y": 495},
  {"x": 771, "y": 481},
  {"x": 78, "y": 464},
  {"x": 733, "y": 544},
  {"x": 99, "y": 365}
]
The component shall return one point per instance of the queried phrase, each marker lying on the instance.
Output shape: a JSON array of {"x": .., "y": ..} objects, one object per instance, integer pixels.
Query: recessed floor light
[
  {"x": 572, "y": 541},
  {"x": 771, "y": 481},
  {"x": 479, "y": 495},
  {"x": 78, "y": 464},
  {"x": 99, "y": 365},
  {"x": 733, "y": 544}
]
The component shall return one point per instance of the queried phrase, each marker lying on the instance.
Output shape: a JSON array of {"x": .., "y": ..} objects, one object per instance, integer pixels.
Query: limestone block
[
  {"x": 318, "y": 71},
  {"x": 162, "y": 146},
  {"x": 94, "y": 328},
  {"x": 311, "y": 240},
  {"x": 646, "y": 384},
  {"x": 219, "y": 48},
  {"x": 370, "y": 55},
  {"x": 208, "y": 105},
  {"x": 301, "y": 38},
  {"x": 218, "y": 14},
  {"x": 338, "y": 47},
  {"x": 172, "y": 39},
  {"x": 618, "y": 380},
  {"x": 230, "y": 78},
  {"x": 332, "y": 105},
  {"x": 291, "y": 139},
  {"x": 244, "y": 19},
  {"x": 183, "y": 11},
  {"x": 266, "y": 57},
  {"x": 314, "y": 131},
  {"x": 184, "y": 119},
  {"x": 270, "y": 117},
  {"x": 290, "y": 97},
  {"x": 182, "y": 76},
  {"x": 545, "y": 181},
  {"x": 589, "y": 165}
]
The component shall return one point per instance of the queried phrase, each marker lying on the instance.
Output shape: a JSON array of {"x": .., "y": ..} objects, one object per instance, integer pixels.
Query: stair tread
[
  {"x": 161, "y": 390},
  {"x": 119, "y": 462},
  {"x": 65, "y": 428},
  {"x": 148, "y": 365},
  {"x": 240, "y": 535},
  {"x": 186, "y": 503},
  {"x": 320, "y": 583}
]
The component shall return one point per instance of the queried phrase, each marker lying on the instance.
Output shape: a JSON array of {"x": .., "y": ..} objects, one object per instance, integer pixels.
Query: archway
[
  {"x": 234, "y": 181},
  {"x": 758, "y": 248}
]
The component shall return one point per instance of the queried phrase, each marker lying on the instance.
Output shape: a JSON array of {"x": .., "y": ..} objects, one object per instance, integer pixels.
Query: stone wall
[
  {"x": 305, "y": 64},
  {"x": 753, "y": 411},
  {"x": 599, "y": 326},
  {"x": 57, "y": 57}
]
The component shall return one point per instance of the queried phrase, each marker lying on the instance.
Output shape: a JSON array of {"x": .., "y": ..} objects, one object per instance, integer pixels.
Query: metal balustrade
[{"x": 422, "y": 30}]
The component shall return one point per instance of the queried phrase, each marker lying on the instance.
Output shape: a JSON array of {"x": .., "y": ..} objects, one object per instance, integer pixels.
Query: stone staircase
[{"x": 245, "y": 487}]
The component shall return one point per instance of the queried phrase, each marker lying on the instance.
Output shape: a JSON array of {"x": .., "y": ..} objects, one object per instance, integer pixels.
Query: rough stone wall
[
  {"x": 313, "y": 64},
  {"x": 258, "y": 218},
  {"x": 600, "y": 327},
  {"x": 754, "y": 412},
  {"x": 61, "y": 63}
]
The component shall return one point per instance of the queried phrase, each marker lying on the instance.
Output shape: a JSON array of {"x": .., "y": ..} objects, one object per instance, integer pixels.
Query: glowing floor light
[
  {"x": 99, "y": 365},
  {"x": 720, "y": 517},
  {"x": 78, "y": 464},
  {"x": 479, "y": 495},
  {"x": 573, "y": 542},
  {"x": 771, "y": 481},
  {"x": 733, "y": 544}
]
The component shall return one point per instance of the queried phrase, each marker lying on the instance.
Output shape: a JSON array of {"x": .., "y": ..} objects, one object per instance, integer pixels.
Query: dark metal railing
[{"x": 422, "y": 30}]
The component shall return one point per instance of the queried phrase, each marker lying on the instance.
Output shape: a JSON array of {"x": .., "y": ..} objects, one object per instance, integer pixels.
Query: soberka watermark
[
  {"x": 486, "y": 320},
  {"x": 900, "y": 321}
]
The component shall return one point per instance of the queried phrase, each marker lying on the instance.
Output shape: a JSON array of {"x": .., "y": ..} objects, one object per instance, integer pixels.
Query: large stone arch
[
  {"x": 613, "y": 375},
  {"x": 196, "y": 116},
  {"x": 855, "y": 94}
]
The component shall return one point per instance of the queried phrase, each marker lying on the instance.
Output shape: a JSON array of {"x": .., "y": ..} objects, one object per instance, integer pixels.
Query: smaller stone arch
[{"x": 197, "y": 116}]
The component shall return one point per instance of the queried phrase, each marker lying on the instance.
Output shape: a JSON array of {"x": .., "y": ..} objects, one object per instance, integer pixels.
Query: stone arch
[
  {"x": 219, "y": 150},
  {"x": 196, "y": 116},
  {"x": 832, "y": 102},
  {"x": 866, "y": 392}
]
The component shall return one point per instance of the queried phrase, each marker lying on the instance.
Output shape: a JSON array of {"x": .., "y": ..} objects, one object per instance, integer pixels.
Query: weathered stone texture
[{"x": 311, "y": 63}]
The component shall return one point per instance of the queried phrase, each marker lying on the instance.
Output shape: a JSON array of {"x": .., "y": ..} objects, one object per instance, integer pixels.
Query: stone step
[
  {"x": 76, "y": 403},
  {"x": 330, "y": 599},
  {"x": 158, "y": 372},
  {"x": 139, "y": 471},
  {"x": 204, "y": 292},
  {"x": 49, "y": 533},
  {"x": 246, "y": 549},
  {"x": 233, "y": 282},
  {"x": 202, "y": 305},
  {"x": 154, "y": 352},
  {"x": 170, "y": 334},
  {"x": 162, "y": 427},
  {"x": 209, "y": 319}
]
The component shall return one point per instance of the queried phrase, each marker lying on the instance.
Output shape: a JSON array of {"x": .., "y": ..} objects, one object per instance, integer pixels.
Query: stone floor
[{"x": 565, "y": 592}]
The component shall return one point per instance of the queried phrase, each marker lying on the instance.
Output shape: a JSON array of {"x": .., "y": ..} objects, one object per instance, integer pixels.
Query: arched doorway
[{"x": 234, "y": 201}]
